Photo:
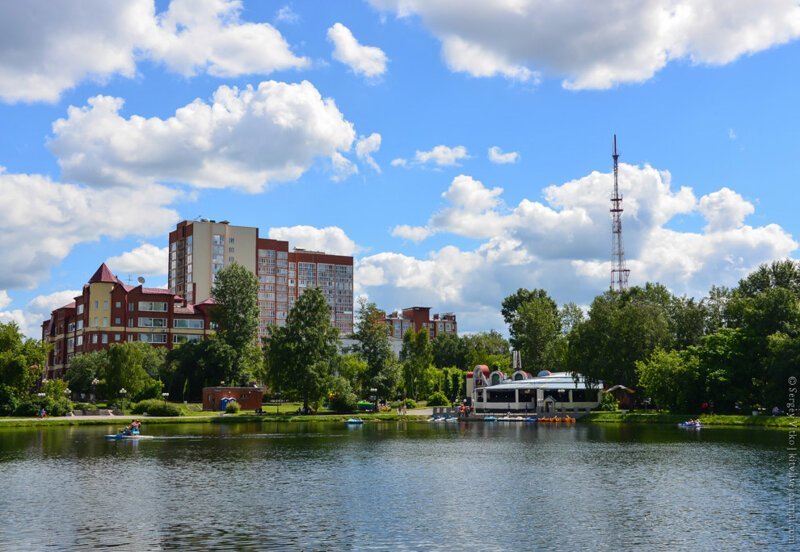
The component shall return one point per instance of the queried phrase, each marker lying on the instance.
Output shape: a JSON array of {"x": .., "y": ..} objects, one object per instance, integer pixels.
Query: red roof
[
  {"x": 209, "y": 301},
  {"x": 67, "y": 306},
  {"x": 103, "y": 274},
  {"x": 188, "y": 309}
]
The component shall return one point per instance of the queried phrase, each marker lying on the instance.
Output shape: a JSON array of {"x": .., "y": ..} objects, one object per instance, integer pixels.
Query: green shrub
[
  {"x": 8, "y": 400},
  {"x": 151, "y": 390},
  {"x": 438, "y": 399},
  {"x": 54, "y": 406},
  {"x": 341, "y": 397},
  {"x": 232, "y": 407},
  {"x": 155, "y": 407},
  {"x": 410, "y": 403},
  {"x": 608, "y": 403}
]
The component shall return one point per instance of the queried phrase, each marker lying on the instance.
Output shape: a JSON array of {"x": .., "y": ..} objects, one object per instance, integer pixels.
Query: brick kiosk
[{"x": 249, "y": 398}]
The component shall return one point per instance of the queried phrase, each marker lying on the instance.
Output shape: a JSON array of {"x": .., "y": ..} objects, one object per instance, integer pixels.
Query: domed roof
[{"x": 543, "y": 374}]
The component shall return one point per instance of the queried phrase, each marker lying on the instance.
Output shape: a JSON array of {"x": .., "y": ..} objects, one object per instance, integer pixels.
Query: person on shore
[{"x": 776, "y": 411}]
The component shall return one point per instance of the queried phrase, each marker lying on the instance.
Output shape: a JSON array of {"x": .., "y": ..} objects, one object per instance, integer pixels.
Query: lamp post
[
  {"x": 95, "y": 381},
  {"x": 122, "y": 393},
  {"x": 68, "y": 392},
  {"x": 166, "y": 396},
  {"x": 278, "y": 401},
  {"x": 373, "y": 395}
]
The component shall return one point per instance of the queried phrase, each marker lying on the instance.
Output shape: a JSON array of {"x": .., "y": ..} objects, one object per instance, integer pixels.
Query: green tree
[
  {"x": 416, "y": 356},
  {"x": 373, "y": 346},
  {"x": 85, "y": 368},
  {"x": 570, "y": 316},
  {"x": 779, "y": 274},
  {"x": 512, "y": 303},
  {"x": 489, "y": 348},
  {"x": 22, "y": 360},
  {"x": 671, "y": 379},
  {"x": 353, "y": 369},
  {"x": 199, "y": 364},
  {"x": 300, "y": 354},
  {"x": 126, "y": 370},
  {"x": 535, "y": 330},
  {"x": 341, "y": 397},
  {"x": 621, "y": 328},
  {"x": 449, "y": 350},
  {"x": 235, "y": 293}
]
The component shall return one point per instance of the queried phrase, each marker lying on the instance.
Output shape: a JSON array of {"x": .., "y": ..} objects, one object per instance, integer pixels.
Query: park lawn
[{"x": 785, "y": 422}]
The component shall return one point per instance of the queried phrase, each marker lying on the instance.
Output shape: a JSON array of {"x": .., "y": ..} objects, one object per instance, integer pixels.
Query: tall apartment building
[
  {"x": 199, "y": 249},
  {"x": 416, "y": 318},
  {"x": 108, "y": 311}
]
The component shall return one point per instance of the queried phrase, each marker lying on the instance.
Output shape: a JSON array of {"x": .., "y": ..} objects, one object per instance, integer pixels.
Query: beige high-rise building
[{"x": 199, "y": 249}]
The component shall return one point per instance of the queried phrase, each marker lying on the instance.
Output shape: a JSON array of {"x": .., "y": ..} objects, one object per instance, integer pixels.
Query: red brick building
[
  {"x": 399, "y": 322},
  {"x": 108, "y": 311},
  {"x": 249, "y": 398}
]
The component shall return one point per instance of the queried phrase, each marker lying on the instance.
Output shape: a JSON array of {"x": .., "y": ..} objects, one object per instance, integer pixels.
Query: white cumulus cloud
[
  {"x": 563, "y": 244},
  {"x": 597, "y": 44},
  {"x": 244, "y": 138},
  {"x": 497, "y": 156},
  {"x": 366, "y": 146},
  {"x": 48, "y": 47},
  {"x": 368, "y": 61},
  {"x": 42, "y": 220},
  {"x": 442, "y": 155},
  {"x": 36, "y": 311},
  {"x": 330, "y": 239},
  {"x": 144, "y": 260},
  {"x": 415, "y": 234}
]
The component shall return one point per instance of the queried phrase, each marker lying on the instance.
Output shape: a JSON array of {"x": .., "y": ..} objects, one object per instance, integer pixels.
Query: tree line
[{"x": 733, "y": 350}]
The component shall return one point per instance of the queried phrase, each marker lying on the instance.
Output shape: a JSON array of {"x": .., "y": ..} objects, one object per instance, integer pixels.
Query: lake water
[{"x": 400, "y": 486}]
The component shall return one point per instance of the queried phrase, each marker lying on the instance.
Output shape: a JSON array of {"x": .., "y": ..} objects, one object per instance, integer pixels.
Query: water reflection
[{"x": 394, "y": 485}]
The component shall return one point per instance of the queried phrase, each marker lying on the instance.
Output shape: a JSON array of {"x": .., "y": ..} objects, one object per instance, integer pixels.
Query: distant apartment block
[
  {"x": 416, "y": 318},
  {"x": 108, "y": 311},
  {"x": 200, "y": 249}
]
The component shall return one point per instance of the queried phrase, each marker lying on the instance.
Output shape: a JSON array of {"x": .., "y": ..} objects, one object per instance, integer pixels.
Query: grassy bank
[
  {"x": 208, "y": 418},
  {"x": 707, "y": 419}
]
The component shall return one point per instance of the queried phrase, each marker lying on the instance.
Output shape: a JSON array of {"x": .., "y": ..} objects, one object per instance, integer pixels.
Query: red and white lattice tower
[{"x": 619, "y": 272}]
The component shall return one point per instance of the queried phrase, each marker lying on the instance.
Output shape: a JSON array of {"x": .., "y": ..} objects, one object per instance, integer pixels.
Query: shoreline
[
  {"x": 207, "y": 419},
  {"x": 594, "y": 418},
  {"x": 715, "y": 420}
]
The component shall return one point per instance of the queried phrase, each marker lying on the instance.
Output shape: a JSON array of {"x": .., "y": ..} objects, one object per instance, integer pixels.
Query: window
[
  {"x": 118, "y": 304},
  {"x": 97, "y": 304},
  {"x": 153, "y": 306},
  {"x": 94, "y": 338},
  {"x": 117, "y": 337},
  {"x": 79, "y": 325},
  {"x": 80, "y": 309},
  {"x": 79, "y": 341},
  {"x": 185, "y": 338},
  {"x": 105, "y": 321},
  {"x": 117, "y": 321},
  {"x": 70, "y": 345},
  {"x": 152, "y": 322},
  {"x": 70, "y": 327},
  {"x": 231, "y": 250},
  {"x": 153, "y": 338},
  {"x": 130, "y": 322},
  {"x": 95, "y": 322},
  {"x": 131, "y": 307},
  {"x": 104, "y": 338},
  {"x": 130, "y": 337},
  {"x": 188, "y": 323},
  {"x": 105, "y": 305},
  {"x": 218, "y": 239}
]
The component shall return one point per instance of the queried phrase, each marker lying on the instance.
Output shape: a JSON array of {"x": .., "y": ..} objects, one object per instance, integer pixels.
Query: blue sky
[{"x": 372, "y": 133}]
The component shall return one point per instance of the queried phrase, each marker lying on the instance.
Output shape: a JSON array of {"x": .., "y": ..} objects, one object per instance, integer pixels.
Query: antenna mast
[{"x": 619, "y": 273}]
